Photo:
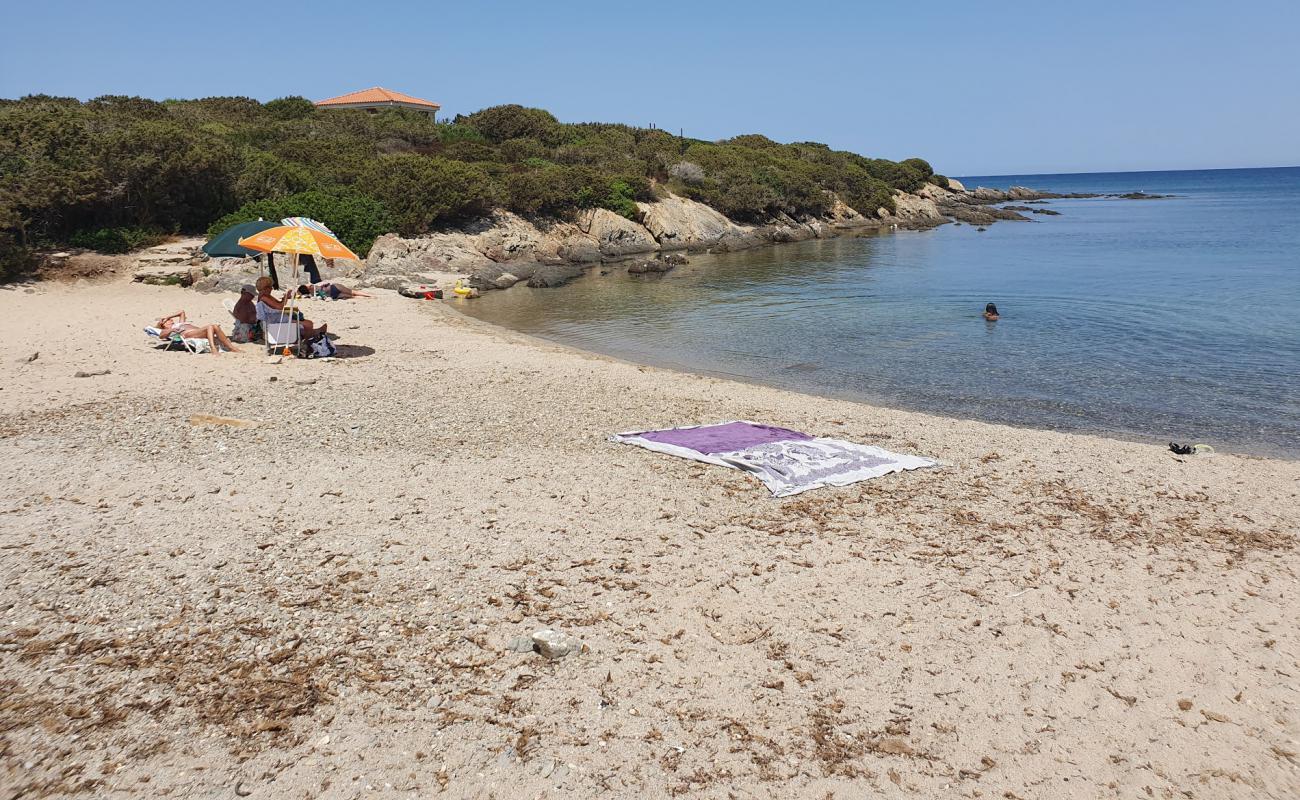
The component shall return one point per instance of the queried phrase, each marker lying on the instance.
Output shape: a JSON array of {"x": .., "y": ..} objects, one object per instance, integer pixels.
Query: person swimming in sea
[{"x": 991, "y": 312}]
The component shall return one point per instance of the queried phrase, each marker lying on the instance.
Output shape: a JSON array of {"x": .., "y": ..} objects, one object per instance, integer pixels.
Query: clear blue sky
[{"x": 977, "y": 88}]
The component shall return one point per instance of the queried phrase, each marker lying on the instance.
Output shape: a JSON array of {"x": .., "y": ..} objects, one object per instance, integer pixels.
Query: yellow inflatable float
[{"x": 461, "y": 290}]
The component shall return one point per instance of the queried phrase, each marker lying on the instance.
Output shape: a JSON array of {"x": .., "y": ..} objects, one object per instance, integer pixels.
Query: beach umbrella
[
  {"x": 306, "y": 222},
  {"x": 298, "y": 240},
  {"x": 226, "y": 244}
]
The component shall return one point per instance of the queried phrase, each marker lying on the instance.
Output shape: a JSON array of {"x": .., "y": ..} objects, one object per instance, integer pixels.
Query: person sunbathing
[
  {"x": 334, "y": 291},
  {"x": 272, "y": 307},
  {"x": 991, "y": 312},
  {"x": 178, "y": 324}
]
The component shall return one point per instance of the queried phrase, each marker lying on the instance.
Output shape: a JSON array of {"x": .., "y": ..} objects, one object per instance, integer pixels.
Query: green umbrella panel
[{"x": 226, "y": 243}]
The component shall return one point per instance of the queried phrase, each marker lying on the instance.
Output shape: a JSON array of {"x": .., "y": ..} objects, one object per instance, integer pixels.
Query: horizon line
[{"x": 1121, "y": 171}]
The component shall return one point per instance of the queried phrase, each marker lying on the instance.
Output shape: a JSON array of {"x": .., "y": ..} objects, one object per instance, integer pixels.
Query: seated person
[
  {"x": 991, "y": 312},
  {"x": 271, "y": 308},
  {"x": 247, "y": 328},
  {"x": 177, "y": 324},
  {"x": 334, "y": 291}
]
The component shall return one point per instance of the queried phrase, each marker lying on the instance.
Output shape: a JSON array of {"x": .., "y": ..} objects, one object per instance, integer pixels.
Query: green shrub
[
  {"x": 941, "y": 181},
  {"x": 863, "y": 193},
  {"x": 290, "y": 108},
  {"x": 422, "y": 192},
  {"x": 920, "y": 165},
  {"x": 499, "y": 123},
  {"x": 754, "y": 140},
  {"x": 620, "y": 198},
  {"x": 266, "y": 176},
  {"x": 549, "y": 190},
  {"x": 357, "y": 220},
  {"x": 116, "y": 240},
  {"x": 469, "y": 151},
  {"x": 747, "y": 201},
  {"x": 163, "y": 173},
  {"x": 138, "y": 107},
  {"x": 449, "y": 132},
  {"x": 520, "y": 150}
]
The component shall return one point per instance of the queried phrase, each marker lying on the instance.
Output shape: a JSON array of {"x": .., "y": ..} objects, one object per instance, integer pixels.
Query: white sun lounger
[{"x": 193, "y": 345}]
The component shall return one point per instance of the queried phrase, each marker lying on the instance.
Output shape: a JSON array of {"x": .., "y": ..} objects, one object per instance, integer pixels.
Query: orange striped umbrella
[{"x": 293, "y": 239}]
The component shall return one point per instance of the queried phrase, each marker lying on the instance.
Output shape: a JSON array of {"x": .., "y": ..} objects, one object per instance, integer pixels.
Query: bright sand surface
[{"x": 319, "y": 605}]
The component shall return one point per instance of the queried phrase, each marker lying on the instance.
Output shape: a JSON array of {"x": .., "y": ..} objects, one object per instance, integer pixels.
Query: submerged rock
[
  {"x": 975, "y": 215},
  {"x": 548, "y": 276},
  {"x": 653, "y": 265}
]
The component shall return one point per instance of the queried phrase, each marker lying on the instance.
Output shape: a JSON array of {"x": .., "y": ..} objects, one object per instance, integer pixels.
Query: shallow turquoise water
[{"x": 1175, "y": 319}]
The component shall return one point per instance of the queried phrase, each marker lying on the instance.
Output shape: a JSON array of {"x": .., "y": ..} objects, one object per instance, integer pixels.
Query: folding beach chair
[{"x": 280, "y": 334}]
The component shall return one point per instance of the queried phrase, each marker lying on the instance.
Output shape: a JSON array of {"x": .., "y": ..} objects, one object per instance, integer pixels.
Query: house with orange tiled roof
[{"x": 375, "y": 98}]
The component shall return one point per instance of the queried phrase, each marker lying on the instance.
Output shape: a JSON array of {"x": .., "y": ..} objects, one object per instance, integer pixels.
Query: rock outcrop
[
  {"x": 502, "y": 249},
  {"x": 678, "y": 224},
  {"x": 916, "y": 209},
  {"x": 172, "y": 264},
  {"x": 616, "y": 236}
]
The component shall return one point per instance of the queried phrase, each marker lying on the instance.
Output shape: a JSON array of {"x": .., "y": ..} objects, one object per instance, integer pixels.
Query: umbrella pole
[{"x": 292, "y": 304}]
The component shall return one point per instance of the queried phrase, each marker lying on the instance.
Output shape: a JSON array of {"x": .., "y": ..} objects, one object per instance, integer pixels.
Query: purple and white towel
[{"x": 787, "y": 462}]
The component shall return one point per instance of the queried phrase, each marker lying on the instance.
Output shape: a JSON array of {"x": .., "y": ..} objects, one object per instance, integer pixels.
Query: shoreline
[
  {"x": 1157, "y": 441},
  {"x": 323, "y": 599},
  {"x": 538, "y": 340}
]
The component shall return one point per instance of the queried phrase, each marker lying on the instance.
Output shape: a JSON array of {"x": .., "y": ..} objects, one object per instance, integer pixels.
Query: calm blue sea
[{"x": 1159, "y": 320}]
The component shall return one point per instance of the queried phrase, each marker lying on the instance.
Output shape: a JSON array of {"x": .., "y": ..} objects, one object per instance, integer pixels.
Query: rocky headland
[{"x": 502, "y": 249}]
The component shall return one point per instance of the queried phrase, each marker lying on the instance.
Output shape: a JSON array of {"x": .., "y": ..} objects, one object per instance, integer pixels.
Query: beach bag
[{"x": 321, "y": 347}]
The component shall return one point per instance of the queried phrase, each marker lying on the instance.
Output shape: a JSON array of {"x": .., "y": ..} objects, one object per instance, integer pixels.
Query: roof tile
[{"x": 376, "y": 95}]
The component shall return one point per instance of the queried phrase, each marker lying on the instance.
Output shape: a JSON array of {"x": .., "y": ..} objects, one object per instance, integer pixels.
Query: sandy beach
[{"x": 319, "y": 603}]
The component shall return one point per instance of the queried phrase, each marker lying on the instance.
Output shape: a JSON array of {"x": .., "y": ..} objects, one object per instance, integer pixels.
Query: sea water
[{"x": 1160, "y": 320}]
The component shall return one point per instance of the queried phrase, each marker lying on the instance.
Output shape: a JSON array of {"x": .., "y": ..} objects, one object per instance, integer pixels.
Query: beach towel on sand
[{"x": 787, "y": 462}]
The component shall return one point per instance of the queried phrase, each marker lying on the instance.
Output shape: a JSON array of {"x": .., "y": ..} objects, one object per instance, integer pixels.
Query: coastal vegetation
[{"x": 114, "y": 173}]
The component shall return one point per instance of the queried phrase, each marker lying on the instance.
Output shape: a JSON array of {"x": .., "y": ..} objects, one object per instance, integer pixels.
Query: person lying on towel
[{"x": 334, "y": 291}]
